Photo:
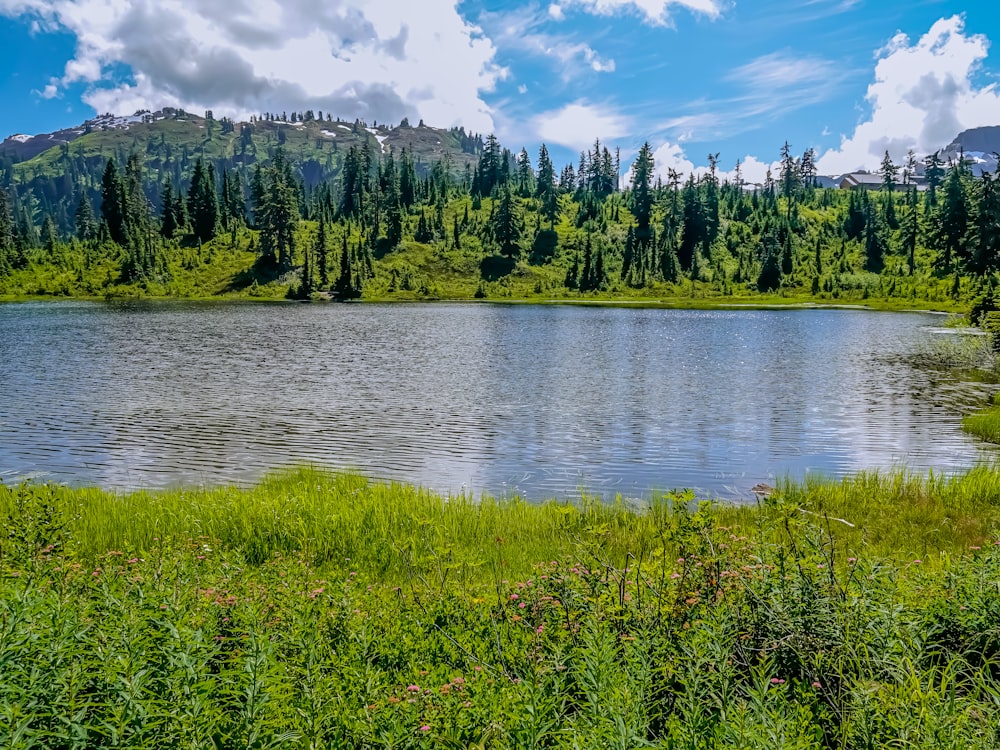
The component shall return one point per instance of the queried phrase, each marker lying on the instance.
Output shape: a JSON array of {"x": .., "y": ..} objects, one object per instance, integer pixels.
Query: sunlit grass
[{"x": 318, "y": 610}]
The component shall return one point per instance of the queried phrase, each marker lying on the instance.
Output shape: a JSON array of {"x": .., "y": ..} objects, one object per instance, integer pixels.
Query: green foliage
[{"x": 328, "y": 611}]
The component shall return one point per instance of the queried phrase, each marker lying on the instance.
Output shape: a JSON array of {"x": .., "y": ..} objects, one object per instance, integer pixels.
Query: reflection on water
[{"x": 538, "y": 400}]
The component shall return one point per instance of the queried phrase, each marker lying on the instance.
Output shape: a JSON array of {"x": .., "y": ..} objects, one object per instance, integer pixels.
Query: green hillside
[{"x": 302, "y": 206}]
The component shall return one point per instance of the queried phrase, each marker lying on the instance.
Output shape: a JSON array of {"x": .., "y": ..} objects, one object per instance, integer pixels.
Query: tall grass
[{"x": 318, "y": 611}]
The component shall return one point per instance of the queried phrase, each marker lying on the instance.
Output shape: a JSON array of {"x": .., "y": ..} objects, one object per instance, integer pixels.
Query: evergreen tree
[
  {"x": 769, "y": 278},
  {"x": 525, "y": 175},
  {"x": 910, "y": 230},
  {"x": 933, "y": 172},
  {"x": 953, "y": 220},
  {"x": 84, "y": 222},
  {"x": 642, "y": 197},
  {"x": 8, "y": 250},
  {"x": 277, "y": 212},
  {"x": 786, "y": 253},
  {"x": 889, "y": 171},
  {"x": 506, "y": 224},
  {"x": 693, "y": 228},
  {"x": 875, "y": 244},
  {"x": 168, "y": 217},
  {"x": 113, "y": 202},
  {"x": 984, "y": 230},
  {"x": 203, "y": 202},
  {"x": 321, "y": 256},
  {"x": 346, "y": 288}
]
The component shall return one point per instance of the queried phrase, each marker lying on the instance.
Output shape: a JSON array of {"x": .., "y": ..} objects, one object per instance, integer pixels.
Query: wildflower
[
  {"x": 680, "y": 560},
  {"x": 514, "y": 597},
  {"x": 675, "y": 576},
  {"x": 425, "y": 728},
  {"x": 353, "y": 574},
  {"x": 852, "y": 560},
  {"x": 413, "y": 688},
  {"x": 820, "y": 566},
  {"x": 817, "y": 685},
  {"x": 917, "y": 562},
  {"x": 521, "y": 605},
  {"x": 133, "y": 560},
  {"x": 477, "y": 668},
  {"x": 539, "y": 629},
  {"x": 777, "y": 681}
]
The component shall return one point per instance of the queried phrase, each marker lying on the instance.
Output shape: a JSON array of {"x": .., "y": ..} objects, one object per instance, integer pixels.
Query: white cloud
[
  {"x": 520, "y": 31},
  {"x": 670, "y": 155},
  {"x": 781, "y": 71},
  {"x": 576, "y": 125},
  {"x": 771, "y": 86},
  {"x": 377, "y": 59},
  {"x": 556, "y": 12},
  {"x": 653, "y": 11},
  {"x": 922, "y": 97}
]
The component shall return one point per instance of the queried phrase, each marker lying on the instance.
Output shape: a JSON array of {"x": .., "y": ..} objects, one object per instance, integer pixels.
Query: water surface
[{"x": 532, "y": 399}]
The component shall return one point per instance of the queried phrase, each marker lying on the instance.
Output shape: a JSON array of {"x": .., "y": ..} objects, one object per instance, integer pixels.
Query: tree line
[{"x": 606, "y": 229}]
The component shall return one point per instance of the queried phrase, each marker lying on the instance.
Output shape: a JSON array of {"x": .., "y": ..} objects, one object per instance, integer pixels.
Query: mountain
[
  {"x": 49, "y": 171},
  {"x": 979, "y": 146}
]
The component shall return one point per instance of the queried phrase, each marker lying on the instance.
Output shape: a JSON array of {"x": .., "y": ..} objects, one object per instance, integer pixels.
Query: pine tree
[
  {"x": 203, "y": 202},
  {"x": 693, "y": 227},
  {"x": 276, "y": 212},
  {"x": 910, "y": 230},
  {"x": 889, "y": 171},
  {"x": 953, "y": 220},
  {"x": 984, "y": 230},
  {"x": 84, "y": 218},
  {"x": 506, "y": 225},
  {"x": 6, "y": 235},
  {"x": 168, "y": 217},
  {"x": 113, "y": 202},
  {"x": 933, "y": 172},
  {"x": 769, "y": 278},
  {"x": 321, "y": 255},
  {"x": 875, "y": 244}
]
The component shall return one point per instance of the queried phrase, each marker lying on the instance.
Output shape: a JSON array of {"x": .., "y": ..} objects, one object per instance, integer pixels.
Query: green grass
[
  {"x": 985, "y": 424},
  {"x": 318, "y": 610}
]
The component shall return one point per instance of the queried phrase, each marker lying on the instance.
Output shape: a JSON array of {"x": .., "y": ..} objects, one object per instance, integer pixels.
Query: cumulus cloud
[
  {"x": 923, "y": 95},
  {"x": 576, "y": 125},
  {"x": 669, "y": 156},
  {"x": 377, "y": 59},
  {"x": 653, "y": 11}
]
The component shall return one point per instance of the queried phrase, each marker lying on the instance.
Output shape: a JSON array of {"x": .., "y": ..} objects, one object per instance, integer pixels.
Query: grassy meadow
[{"x": 326, "y": 611}]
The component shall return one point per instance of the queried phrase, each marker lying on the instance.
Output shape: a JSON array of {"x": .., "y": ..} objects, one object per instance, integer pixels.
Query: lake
[{"x": 538, "y": 400}]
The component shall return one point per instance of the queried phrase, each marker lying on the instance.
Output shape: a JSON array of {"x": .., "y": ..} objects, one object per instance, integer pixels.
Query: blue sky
[{"x": 850, "y": 78}]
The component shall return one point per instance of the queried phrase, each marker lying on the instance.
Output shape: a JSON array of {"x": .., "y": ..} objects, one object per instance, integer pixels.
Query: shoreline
[{"x": 664, "y": 303}]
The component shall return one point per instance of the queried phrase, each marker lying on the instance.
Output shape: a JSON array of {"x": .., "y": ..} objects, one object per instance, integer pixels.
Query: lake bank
[{"x": 331, "y": 611}]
